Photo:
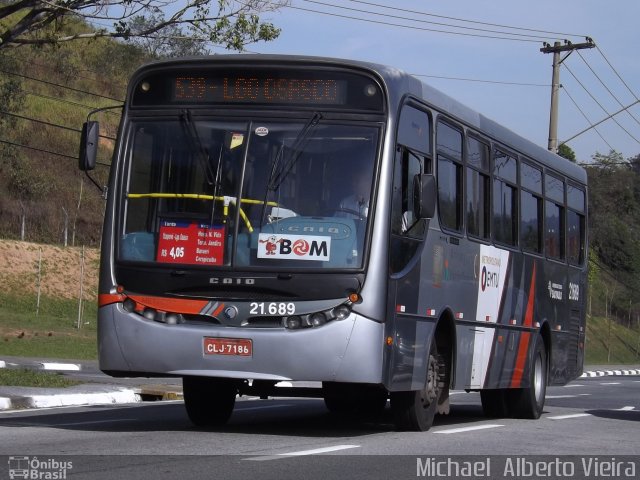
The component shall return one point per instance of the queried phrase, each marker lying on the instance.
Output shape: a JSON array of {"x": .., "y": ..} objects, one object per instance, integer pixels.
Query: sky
[{"x": 613, "y": 25}]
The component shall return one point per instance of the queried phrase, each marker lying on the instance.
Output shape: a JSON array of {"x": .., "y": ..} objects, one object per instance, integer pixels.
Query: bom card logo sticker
[{"x": 294, "y": 247}]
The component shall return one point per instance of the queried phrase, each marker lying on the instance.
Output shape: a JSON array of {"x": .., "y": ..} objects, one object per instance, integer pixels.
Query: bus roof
[{"x": 398, "y": 84}]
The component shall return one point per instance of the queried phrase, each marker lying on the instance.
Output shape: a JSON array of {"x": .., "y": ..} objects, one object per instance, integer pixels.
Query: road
[{"x": 287, "y": 438}]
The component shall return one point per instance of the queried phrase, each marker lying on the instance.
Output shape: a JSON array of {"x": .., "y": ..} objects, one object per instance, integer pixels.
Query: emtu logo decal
[{"x": 489, "y": 279}]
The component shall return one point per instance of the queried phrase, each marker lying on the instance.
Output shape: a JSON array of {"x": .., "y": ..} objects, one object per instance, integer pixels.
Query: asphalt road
[{"x": 298, "y": 438}]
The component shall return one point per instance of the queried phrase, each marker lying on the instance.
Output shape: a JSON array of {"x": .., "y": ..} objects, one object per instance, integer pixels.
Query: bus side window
[{"x": 412, "y": 158}]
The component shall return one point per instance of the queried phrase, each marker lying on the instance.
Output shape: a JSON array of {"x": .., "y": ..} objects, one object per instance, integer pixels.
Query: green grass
[
  {"x": 623, "y": 341},
  {"x": 53, "y": 333},
  {"x": 32, "y": 378}
]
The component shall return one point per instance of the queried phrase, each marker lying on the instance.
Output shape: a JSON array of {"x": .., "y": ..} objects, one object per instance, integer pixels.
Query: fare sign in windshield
[{"x": 191, "y": 243}]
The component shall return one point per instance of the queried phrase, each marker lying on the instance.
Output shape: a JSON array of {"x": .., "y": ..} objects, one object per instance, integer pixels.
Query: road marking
[
  {"x": 574, "y": 385},
  {"x": 469, "y": 429},
  {"x": 94, "y": 422},
  {"x": 315, "y": 451},
  {"x": 567, "y": 396},
  {"x": 625, "y": 409},
  {"x": 564, "y": 417},
  {"x": 264, "y": 407},
  {"x": 609, "y": 383}
]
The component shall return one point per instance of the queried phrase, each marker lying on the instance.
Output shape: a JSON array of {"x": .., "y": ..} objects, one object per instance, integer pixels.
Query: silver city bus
[{"x": 275, "y": 218}]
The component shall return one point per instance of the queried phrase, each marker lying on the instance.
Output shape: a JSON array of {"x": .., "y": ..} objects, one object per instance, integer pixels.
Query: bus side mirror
[
  {"x": 424, "y": 195},
  {"x": 89, "y": 146}
]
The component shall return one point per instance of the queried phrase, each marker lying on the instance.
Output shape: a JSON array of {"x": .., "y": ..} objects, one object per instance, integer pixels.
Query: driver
[{"x": 356, "y": 205}]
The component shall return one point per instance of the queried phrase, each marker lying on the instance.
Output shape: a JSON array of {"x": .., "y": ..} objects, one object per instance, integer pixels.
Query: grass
[
  {"x": 624, "y": 343},
  {"x": 32, "y": 378},
  {"x": 53, "y": 333}
]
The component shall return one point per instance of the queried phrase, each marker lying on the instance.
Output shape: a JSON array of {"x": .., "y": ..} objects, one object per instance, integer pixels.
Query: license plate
[{"x": 240, "y": 347}]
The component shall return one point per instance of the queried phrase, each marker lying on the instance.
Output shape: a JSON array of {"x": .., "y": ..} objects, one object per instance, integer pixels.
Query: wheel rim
[
  {"x": 538, "y": 379},
  {"x": 430, "y": 392}
]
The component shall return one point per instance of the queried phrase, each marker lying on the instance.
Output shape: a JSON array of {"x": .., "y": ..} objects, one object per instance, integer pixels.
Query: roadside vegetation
[
  {"x": 22, "y": 377},
  {"x": 46, "y": 93}
]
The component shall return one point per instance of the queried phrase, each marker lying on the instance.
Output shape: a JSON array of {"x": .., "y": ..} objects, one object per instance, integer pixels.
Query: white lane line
[
  {"x": 626, "y": 409},
  {"x": 567, "y": 396},
  {"x": 573, "y": 385},
  {"x": 609, "y": 383},
  {"x": 315, "y": 451},
  {"x": 469, "y": 429},
  {"x": 94, "y": 422},
  {"x": 264, "y": 407},
  {"x": 564, "y": 417}
]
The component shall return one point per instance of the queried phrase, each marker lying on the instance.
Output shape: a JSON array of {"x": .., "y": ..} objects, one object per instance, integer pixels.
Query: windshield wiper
[
  {"x": 294, "y": 153},
  {"x": 277, "y": 175},
  {"x": 201, "y": 153}
]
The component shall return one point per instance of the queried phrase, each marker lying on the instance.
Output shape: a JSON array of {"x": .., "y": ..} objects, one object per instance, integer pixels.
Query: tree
[
  {"x": 565, "y": 151},
  {"x": 231, "y": 23}
]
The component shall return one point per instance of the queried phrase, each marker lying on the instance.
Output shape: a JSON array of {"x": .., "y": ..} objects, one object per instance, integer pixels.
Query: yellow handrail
[{"x": 199, "y": 196}]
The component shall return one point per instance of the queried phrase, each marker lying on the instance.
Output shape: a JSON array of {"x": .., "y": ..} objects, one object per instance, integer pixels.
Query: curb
[
  {"x": 52, "y": 366},
  {"x": 609, "y": 373},
  {"x": 73, "y": 399},
  {"x": 117, "y": 396}
]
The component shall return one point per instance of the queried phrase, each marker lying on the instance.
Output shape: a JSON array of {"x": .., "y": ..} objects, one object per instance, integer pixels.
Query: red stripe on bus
[
  {"x": 176, "y": 305},
  {"x": 523, "y": 346},
  {"x": 105, "y": 299},
  {"x": 218, "y": 310}
]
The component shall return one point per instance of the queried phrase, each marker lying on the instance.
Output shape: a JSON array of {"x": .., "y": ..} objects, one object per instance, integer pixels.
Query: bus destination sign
[
  {"x": 190, "y": 243},
  {"x": 259, "y": 89}
]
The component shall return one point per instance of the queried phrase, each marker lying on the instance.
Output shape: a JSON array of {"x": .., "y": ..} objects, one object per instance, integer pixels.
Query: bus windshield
[{"x": 248, "y": 193}]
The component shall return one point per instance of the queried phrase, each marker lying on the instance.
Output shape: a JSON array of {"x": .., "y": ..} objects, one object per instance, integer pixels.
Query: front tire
[
  {"x": 415, "y": 411},
  {"x": 209, "y": 401}
]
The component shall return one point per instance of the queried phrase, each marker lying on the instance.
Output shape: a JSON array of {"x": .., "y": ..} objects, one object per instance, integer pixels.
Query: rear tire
[
  {"x": 529, "y": 402},
  {"x": 209, "y": 401},
  {"x": 495, "y": 403},
  {"x": 415, "y": 411}
]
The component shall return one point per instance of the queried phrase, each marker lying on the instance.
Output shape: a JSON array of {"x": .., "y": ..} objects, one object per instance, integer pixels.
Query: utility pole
[{"x": 556, "y": 49}]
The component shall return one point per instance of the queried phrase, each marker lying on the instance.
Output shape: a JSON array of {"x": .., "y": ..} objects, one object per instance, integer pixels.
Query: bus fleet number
[{"x": 273, "y": 308}]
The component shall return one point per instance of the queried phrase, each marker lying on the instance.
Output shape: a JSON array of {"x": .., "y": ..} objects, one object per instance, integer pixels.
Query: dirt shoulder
[{"x": 60, "y": 269}]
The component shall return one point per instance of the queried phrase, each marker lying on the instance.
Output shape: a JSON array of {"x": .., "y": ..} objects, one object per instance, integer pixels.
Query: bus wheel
[
  {"x": 529, "y": 402},
  {"x": 209, "y": 401},
  {"x": 495, "y": 403},
  {"x": 415, "y": 411}
]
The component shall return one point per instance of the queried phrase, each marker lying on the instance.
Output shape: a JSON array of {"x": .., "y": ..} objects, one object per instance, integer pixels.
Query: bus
[{"x": 303, "y": 219}]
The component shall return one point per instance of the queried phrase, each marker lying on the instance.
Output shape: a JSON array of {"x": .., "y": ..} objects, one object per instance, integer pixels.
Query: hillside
[{"x": 45, "y": 96}]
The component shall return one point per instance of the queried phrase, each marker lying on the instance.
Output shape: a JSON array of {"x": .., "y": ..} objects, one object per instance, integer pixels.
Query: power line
[
  {"x": 41, "y": 150},
  {"x": 618, "y": 75},
  {"x": 424, "y": 29},
  {"x": 386, "y": 15},
  {"x": 69, "y": 102},
  {"x": 607, "y": 88},
  {"x": 467, "y": 21},
  {"x": 598, "y": 103},
  {"x": 37, "y": 149},
  {"x": 482, "y": 81},
  {"x": 586, "y": 118},
  {"x": 49, "y": 124},
  {"x": 59, "y": 86}
]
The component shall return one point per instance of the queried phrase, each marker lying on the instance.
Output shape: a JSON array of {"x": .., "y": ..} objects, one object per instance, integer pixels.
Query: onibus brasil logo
[{"x": 38, "y": 469}]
